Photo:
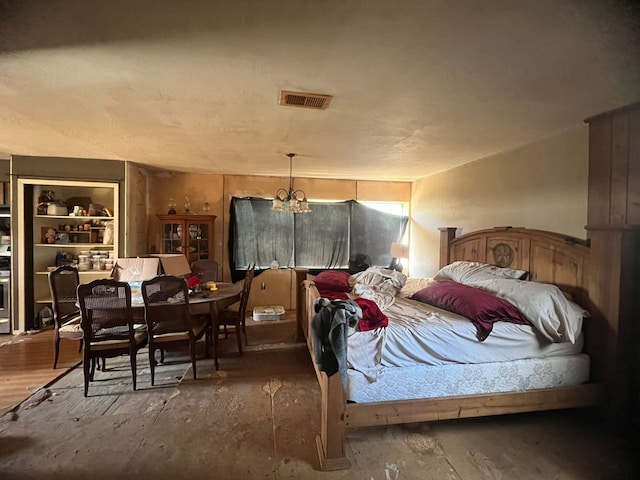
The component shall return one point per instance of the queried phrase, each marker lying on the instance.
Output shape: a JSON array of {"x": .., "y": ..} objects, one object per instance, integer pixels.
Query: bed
[{"x": 515, "y": 377}]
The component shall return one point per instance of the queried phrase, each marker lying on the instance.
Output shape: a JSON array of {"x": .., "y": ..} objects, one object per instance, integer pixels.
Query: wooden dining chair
[
  {"x": 170, "y": 323},
  {"x": 236, "y": 318},
  {"x": 108, "y": 325},
  {"x": 206, "y": 270},
  {"x": 63, "y": 282}
]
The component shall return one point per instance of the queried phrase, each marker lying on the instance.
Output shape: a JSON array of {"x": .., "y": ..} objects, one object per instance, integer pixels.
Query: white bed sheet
[{"x": 422, "y": 335}]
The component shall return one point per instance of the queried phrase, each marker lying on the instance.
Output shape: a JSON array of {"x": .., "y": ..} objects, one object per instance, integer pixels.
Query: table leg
[{"x": 214, "y": 331}]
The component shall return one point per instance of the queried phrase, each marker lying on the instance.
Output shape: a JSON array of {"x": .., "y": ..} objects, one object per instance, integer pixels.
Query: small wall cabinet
[{"x": 191, "y": 235}]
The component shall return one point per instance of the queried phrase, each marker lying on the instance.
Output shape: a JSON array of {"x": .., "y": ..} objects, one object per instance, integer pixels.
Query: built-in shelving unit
[{"x": 52, "y": 240}]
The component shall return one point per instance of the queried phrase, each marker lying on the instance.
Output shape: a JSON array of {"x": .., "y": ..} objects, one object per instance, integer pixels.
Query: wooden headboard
[{"x": 548, "y": 257}]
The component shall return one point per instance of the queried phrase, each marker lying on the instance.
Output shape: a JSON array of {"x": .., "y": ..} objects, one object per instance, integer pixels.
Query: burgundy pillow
[
  {"x": 333, "y": 295},
  {"x": 479, "y": 306},
  {"x": 333, "y": 281}
]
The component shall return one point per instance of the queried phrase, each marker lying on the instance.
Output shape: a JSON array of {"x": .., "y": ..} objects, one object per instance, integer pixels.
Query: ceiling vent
[{"x": 305, "y": 100}]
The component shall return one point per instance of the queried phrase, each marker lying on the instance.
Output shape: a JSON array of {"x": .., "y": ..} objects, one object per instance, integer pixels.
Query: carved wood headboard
[{"x": 548, "y": 257}]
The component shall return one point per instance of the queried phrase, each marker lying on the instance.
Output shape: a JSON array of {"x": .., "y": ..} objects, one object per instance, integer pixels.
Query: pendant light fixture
[{"x": 296, "y": 199}]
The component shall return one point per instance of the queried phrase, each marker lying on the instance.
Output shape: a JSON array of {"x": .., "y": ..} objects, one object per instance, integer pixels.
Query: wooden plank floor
[
  {"x": 26, "y": 360},
  {"x": 26, "y": 364}
]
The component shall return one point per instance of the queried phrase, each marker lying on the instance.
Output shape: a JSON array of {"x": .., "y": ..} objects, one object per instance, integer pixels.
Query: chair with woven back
[
  {"x": 108, "y": 325},
  {"x": 236, "y": 318},
  {"x": 169, "y": 320},
  {"x": 63, "y": 282},
  {"x": 205, "y": 269}
]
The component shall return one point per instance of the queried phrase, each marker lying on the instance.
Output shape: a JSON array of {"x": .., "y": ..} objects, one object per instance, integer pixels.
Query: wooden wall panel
[
  {"x": 599, "y": 171},
  {"x": 619, "y": 169},
  {"x": 633, "y": 179}
]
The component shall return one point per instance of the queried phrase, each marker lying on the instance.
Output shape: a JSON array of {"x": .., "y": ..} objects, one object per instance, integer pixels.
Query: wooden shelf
[
  {"x": 74, "y": 217},
  {"x": 85, "y": 245}
]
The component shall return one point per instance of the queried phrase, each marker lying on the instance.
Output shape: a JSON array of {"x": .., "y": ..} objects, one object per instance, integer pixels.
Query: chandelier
[{"x": 296, "y": 199}]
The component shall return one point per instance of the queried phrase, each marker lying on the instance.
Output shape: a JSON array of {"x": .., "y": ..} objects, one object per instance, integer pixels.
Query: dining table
[{"x": 225, "y": 295}]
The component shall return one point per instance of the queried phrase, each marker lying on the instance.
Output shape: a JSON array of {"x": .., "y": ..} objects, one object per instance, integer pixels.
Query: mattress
[
  {"x": 420, "y": 334},
  {"x": 423, "y": 381}
]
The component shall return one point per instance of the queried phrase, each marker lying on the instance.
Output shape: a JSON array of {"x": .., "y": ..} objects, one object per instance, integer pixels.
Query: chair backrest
[
  {"x": 166, "y": 304},
  {"x": 63, "y": 282},
  {"x": 105, "y": 305},
  {"x": 206, "y": 270},
  {"x": 246, "y": 290}
]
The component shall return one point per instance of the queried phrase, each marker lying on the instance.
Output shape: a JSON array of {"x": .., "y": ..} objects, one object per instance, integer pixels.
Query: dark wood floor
[
  {"x": 26, "y": 364},
  {"x": 26, "y": 360}
]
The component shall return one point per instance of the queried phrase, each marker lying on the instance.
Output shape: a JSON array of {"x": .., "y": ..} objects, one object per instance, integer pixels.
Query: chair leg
[
  {"x": 192, "y": 351},
  {"x": 239, "y": 337},
  {"x": 152, "y": 363},
  {"x": 132, "y": 358},
  {"x": 87, "y": 367},
  {"x": 244, "y": 332},
  {"x": 56, "y": 349},
  {"x": 93, "y": 368},
  {"x": 207, "y": 340}
]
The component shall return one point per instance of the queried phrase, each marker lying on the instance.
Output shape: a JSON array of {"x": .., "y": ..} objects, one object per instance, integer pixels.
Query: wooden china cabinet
[{"x": 191, "y": 235}]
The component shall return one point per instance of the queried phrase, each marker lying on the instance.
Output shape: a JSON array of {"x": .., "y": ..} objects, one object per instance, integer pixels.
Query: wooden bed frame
[{"x": 548, "y": 257}]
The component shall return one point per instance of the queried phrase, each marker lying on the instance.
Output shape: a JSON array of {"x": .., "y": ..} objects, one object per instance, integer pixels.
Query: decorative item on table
[
  {"x": 187, "y": 204},
  {"x": 172, "y": 206},
  {"x": 211, "y": 286},
  {"x": 194, "y": 284}
]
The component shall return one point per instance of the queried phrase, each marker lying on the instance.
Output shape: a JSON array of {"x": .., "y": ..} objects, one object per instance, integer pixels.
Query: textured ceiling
[{"x": 419, "y": 86}]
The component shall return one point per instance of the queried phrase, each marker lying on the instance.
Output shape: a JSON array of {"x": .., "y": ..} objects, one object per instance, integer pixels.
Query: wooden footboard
[{"x": 542, "y": 259}]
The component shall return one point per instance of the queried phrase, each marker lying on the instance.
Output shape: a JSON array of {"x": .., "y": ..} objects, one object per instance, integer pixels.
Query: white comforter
[{"x": 420, "y": 334}]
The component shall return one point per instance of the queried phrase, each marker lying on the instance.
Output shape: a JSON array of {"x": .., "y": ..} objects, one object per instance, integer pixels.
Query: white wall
[{"x": 542, "y": 185}]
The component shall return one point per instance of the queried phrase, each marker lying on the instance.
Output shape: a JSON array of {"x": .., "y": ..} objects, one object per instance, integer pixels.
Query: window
[{"x": 326, "y": 238}]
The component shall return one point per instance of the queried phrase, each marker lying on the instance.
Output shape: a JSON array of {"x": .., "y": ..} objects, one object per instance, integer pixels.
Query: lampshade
[{"x": 399, "y": 250}]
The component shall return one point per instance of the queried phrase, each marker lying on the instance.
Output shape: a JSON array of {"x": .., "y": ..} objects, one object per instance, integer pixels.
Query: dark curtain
[
  {"x": 325, "y": 238},
  {"x": 322, "y": 236},
  {"x": 372, "y": 232},
  {"x": 258, "y": 235}
]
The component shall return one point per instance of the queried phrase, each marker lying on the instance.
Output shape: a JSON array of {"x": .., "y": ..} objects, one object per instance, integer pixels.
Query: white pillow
[
  {"x": 412, "y": 285},
  {"x": 464, "y": 271},
  {"x": 544, "y": 305}
]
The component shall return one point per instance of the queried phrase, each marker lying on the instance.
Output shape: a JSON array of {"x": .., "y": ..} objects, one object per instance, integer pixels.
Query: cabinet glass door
[
  {"x": 172, "y": 237},
  {"x": 198, "y": 240}
]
